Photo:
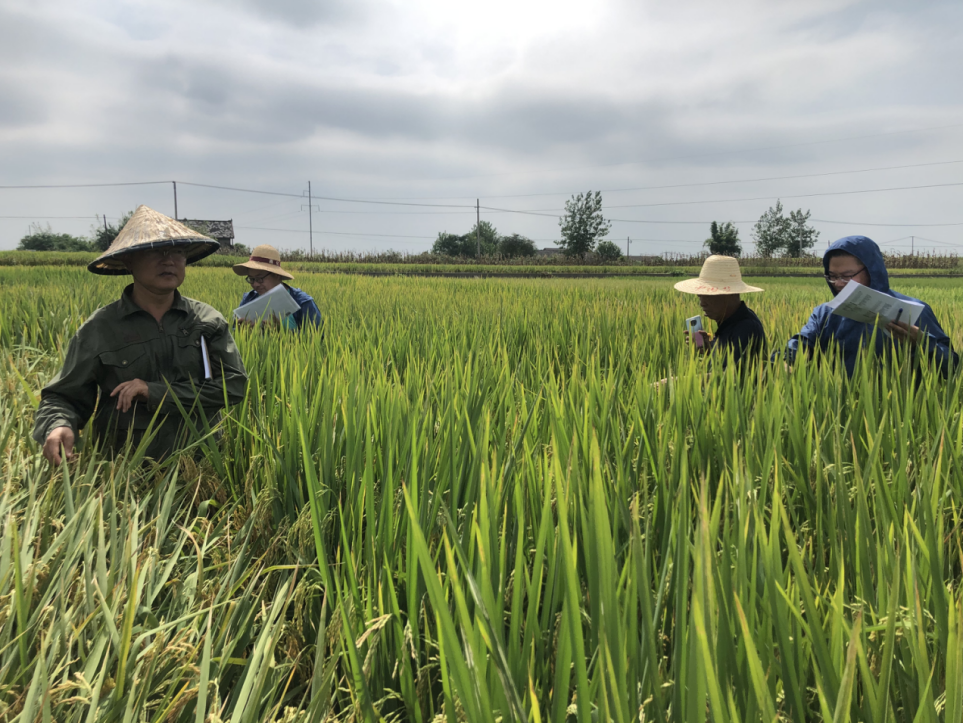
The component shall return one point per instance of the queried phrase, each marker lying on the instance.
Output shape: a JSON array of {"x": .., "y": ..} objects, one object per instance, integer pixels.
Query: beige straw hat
[
  {"x": 263, "y": 258},
  {"x": 148, "y": 229},
  {"x": 719, "y": 275}
]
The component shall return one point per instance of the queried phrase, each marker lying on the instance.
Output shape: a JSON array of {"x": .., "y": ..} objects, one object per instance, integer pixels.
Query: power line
[
  {"x": 327, "y": 198},
  {"x": 698, "y": 155},
  {"x": 334, "y": 233},
  {"x": 92, "y": 185},
  {"x": 705, "y": 183},
  {"x": 96, "y": 217},
  {"x": 798, "y": 195},
  {"x": 879, "y": 225},
  {"x": 741, "y": 200}
]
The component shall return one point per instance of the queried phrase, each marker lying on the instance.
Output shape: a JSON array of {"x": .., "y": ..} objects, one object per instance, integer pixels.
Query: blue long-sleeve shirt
[
  {"x": 307, "y": 314},
  {"x": 824, "y": 328}
]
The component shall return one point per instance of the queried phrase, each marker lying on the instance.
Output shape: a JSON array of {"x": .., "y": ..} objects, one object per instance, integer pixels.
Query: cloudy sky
[{"x": 402, "y": 114}]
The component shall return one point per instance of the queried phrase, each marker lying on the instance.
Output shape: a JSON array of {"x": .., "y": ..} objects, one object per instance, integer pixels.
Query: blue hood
[{"x": 866, "y": 250}]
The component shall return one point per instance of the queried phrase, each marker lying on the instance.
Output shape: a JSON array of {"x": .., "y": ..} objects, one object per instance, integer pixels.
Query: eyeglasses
[
  {"x": 178, "y": 254},
  {"x": 256, "y": 279},
  {"x": 836, "y": 278}
]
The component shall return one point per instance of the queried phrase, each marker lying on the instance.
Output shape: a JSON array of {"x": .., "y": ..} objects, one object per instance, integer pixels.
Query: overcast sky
[{"x": 519, "y": 103}]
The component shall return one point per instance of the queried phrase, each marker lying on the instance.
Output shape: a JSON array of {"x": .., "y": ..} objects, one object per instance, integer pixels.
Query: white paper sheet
[
  {"x": 861, "y": 303},
  {"x": 275, "y": 303},
  {"x": 206, "y": 358}
]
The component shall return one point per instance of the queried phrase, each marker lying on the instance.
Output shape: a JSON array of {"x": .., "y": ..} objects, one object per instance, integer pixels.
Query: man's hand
[
  {"x": 702, "y": 341},
  {"x": 129, "y": 392},
  {"x": 902, "y": 331},
  {"x": 59, "y": 438}
]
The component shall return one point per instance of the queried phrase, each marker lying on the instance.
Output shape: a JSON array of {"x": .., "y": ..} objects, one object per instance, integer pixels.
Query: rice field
[{"x": 470, "y": 502}]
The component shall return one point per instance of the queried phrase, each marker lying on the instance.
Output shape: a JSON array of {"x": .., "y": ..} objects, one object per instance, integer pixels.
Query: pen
[{"x": 898, "y": 315}]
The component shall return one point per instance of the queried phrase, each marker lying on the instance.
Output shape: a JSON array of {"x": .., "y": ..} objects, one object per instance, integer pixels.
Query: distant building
[
  {"x": 548, "y": 251},
  {"x": 220, "y": 231}
]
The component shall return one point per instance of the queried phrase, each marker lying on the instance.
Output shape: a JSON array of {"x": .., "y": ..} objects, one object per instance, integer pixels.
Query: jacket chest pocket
[
  {"x": 188, "y": 358},
  {"x": 122, "y": 365}
]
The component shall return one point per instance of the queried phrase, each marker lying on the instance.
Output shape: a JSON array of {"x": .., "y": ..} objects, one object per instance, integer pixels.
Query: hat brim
[
  {"x": 112, "y": 263},
  {"x": 707, "y": 288},
  {"x": 242, "y": 269}
]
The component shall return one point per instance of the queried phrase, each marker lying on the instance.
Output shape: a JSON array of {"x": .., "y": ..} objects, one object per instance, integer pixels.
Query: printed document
[
  {"x": 861, "y": 303},
  {"x": 275, "y": 303}
]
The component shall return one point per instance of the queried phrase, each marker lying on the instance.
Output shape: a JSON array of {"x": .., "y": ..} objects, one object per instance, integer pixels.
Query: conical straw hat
[
  {"x": 148, "y": 229},
  {"x": 719, "y": 275}
]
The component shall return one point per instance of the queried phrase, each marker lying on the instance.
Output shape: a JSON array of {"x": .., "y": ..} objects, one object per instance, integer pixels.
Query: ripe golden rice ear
[{"x": 469, "y": 500}]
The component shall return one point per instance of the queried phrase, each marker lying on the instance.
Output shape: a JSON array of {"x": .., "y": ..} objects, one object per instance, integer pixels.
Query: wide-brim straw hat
[
  {"x": 148, "y": 229},
  {"x": 719, "y": 275},
  {"x": 263, "y": 258}
]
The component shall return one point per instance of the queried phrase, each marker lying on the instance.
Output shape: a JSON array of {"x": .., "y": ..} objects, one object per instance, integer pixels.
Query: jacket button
[{"x": 124, "y": 363}]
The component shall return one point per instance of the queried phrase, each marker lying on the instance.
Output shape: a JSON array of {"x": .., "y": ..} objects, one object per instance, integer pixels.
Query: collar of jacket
[{"x": 128, "y": 307}]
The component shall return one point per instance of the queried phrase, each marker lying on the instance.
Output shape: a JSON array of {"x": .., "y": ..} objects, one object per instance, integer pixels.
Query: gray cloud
[
  {"x": 302, "y": 13},
  {"x": 20, "y": 106},
  {"x": 366, "y": 104}
]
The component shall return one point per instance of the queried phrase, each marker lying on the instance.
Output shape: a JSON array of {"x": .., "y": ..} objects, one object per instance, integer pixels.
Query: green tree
[
  {"x": 44, "y": 239},
  {"x": 775, "y": 233},
  {"x": 516, "y": 245},
  {"x": 771, "y": 231},
  {"x": 724, "y": 240},
  {"x": 104, "y": 235},
  {"x": 583, "y": 224},
  {"x": 801, "y": 236},
  {"x": 447, "y": 244},
  {"x": 608, "y": 251}
]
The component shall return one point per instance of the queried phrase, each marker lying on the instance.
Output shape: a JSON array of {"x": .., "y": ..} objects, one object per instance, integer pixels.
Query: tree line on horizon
[{"x": 583, "y": 229}]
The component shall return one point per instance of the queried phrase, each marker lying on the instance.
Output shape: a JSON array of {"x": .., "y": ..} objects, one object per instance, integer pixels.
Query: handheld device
[{"x": 692, "y": 325}]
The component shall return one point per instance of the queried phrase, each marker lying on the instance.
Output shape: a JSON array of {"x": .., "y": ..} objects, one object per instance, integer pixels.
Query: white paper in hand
[
  {"x": 275, "y": 303},
  {"x": 861, "y": 303}
]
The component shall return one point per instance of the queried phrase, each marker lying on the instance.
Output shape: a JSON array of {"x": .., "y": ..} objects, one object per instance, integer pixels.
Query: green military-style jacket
[{"x": 121, "y": 342}]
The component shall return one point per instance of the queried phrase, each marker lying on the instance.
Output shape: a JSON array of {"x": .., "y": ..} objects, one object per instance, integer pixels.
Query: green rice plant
[{"x": 470, "y": 501}]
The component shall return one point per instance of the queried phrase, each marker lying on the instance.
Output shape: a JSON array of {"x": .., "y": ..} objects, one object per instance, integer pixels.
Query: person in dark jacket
[
  {"x": 146, "y": 352},
  {"x": 857, "y": 258},
  {"x": 739, "y": 334},
  {"x": 263, "y": 271}
]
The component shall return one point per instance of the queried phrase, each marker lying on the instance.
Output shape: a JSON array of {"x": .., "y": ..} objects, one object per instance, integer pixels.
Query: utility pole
[
  {"x": 478, "y": 225},
  {"x": 175, "y": 199},
  {"x": 310, "y": 222},
  {"x": 912, "y": 244},
  {"x": 627, "y": 242},
  {"x": 105, "y": 222}
]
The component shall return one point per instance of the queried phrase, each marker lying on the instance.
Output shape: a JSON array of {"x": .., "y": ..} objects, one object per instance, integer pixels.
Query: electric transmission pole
[{"x": 310, "y": 222}]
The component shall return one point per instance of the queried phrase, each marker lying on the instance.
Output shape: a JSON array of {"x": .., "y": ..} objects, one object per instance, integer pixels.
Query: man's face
[
  {"x": 158, "y": 270},
  {"x": 718, "y": 307},
  {"x": 844, "y": 267}
]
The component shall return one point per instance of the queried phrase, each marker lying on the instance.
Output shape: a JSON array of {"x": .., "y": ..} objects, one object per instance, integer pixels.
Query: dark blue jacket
[
  {"x": 741, "y": 335},
  {"x": 850, "y": 336},
  {"x": 308, "y": 313}
]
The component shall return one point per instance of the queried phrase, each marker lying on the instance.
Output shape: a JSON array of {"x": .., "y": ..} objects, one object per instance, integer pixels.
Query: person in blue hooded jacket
[
  {"x": 263, "y": 271},
  {"x": 857, "y": 258}
]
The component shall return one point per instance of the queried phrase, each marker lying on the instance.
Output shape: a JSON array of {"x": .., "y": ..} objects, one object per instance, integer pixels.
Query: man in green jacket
[{"x": 132, "y": 358}]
